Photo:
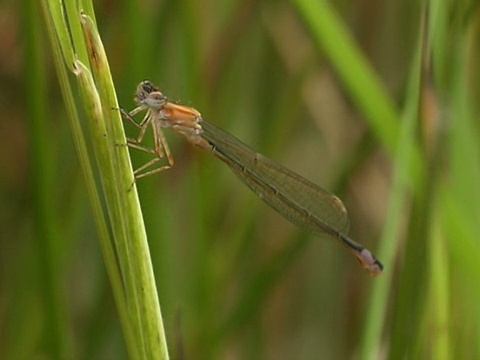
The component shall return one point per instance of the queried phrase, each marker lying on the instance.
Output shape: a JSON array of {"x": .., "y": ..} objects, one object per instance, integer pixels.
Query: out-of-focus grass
[{"x": 338, "y": 93}]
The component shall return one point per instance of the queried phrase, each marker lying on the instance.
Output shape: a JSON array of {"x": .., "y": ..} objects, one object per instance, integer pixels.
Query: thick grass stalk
[{"x": 122, "y": 236}]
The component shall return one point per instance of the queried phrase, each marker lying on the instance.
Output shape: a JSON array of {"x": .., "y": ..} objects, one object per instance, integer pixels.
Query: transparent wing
[{"x": 302, "y": 202}]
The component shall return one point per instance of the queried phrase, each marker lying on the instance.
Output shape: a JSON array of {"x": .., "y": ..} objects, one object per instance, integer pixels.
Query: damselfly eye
[{"x": 147, "y": 87}]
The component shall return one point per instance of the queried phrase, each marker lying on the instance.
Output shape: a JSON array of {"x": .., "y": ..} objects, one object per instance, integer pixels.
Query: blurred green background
[{"x": 376, "y": 101}]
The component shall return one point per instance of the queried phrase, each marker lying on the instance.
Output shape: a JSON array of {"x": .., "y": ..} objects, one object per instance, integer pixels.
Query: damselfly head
[{"x": 148, "y": 95}]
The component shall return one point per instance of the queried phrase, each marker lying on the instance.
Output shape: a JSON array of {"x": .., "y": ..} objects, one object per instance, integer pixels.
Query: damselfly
[{"x": 300, "y": 201}]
